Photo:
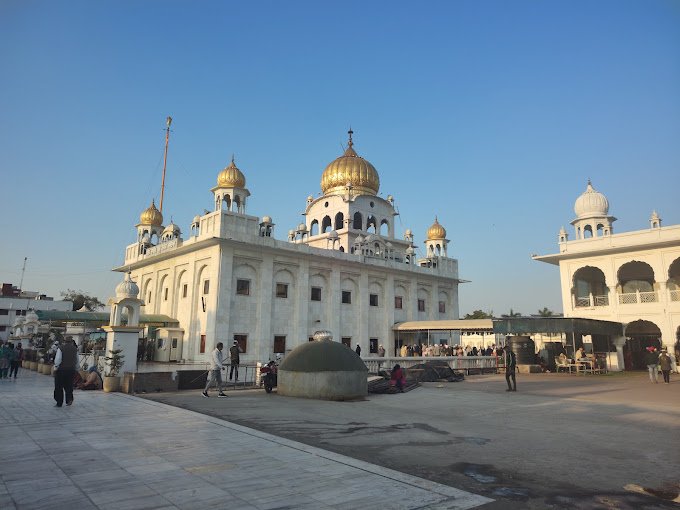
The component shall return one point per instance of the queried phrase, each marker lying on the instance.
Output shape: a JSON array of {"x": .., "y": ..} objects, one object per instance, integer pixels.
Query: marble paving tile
[{"x": 138, "y": 503}]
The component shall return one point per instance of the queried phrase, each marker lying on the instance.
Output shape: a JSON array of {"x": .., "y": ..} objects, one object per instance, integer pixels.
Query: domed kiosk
[{"x": 323, "y": 369}]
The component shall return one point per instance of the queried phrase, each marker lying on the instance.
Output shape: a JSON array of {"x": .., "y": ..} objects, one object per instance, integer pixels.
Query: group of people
[
  {"x": 407, "y": 351},
  {"x": 217, "y": 365},
  {"x": 655, "y": 361},
  {"x": 10, "y": 359}
]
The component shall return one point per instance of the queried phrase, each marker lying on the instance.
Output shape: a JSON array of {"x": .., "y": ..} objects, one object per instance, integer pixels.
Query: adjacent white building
[
  {"x": 630, "y": 277},
  {"x": 343, "y": 270},
  {"x": 16, "y": 307}
]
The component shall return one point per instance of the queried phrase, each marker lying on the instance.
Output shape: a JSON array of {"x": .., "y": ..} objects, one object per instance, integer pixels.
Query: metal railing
[
  {"x": 675, "y": 295},
  {"x": 463, "y": 363},
  {"x": 601, "y": 300}
]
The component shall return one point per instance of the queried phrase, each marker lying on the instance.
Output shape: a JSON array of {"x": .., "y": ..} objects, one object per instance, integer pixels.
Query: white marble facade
[
  {"x": 343, "y": 270},
  {"x": 630, "y": 277}
]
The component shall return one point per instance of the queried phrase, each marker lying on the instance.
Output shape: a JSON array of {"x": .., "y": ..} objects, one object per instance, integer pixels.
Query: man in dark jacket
[
  {"x": 665, "y": 364},
  {"x": 510, "y": 365},
  {"x": 234, "y": 352},
  {"x": 652, "y": 362},
  {"x": 65, "y": 364}
]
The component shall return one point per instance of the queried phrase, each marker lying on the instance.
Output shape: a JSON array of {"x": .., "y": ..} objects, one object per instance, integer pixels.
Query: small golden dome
[
  {"x": 151, "y": 216},
  {"x": 436, "y": 231},
  {"x": 350, "y": 169},
  {"x": 231, "y": 177}
]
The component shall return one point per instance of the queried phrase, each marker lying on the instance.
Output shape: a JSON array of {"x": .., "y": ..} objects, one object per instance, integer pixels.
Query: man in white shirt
[{"x": 215, "y": 372}]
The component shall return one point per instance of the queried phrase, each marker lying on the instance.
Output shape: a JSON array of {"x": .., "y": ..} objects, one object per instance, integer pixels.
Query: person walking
[
  {"x": 510, "y": 366},
  {"x": 4, "y": 360},
  {"x": 235, "y": 359},
  {"x": 358, "y": 350},
  {"x": 65, "y": 363},
  {"x": 215, "y": 374},
  {"x": 665, "y": 365},
  {"x": 19, "y": 356},
  {"x": 13, "y": 360},
  {"x": 652, "y": 362}
]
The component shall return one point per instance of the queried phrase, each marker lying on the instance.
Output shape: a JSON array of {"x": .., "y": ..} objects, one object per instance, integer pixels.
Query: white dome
[
  {"x": 197, "y": 219},
  {"x": 332, "y": 234},
  {"x": 591, "y": 203},
  {"x": 302, "y": 227},
  {"x": 266, "y": 219},
  {"x": 171, "y": 229},
  {"x": 31, "y": 316},
  {"x": 359, "y": 239},
  {"x": 127, "y": 288}
]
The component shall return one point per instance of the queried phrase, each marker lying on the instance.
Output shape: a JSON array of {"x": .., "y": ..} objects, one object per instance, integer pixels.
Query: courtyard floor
[{"x": 561, "y": 441}]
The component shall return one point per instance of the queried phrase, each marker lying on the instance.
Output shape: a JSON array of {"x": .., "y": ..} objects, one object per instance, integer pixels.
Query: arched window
[
  {"x": 674, "y": 276},
  {"x": 358, "y": 222},
  {"x": 600, "y": 230},
  {"x": 371, "y": 225},
  {"x": 384, "y": 228},
  {"x": 339, "y": 221},
  {"x": 636, "y": 276},
  {"x": 587, "y": 232},
  {"x": 237, "y": 203},
  {"x": 226, "y": 203},
  {"x": 314, "y": 228},
  {"x": 590, "y": 281},
  {"x": 326, "y": 224}
]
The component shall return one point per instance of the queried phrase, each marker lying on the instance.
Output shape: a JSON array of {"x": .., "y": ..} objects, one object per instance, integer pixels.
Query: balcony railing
[
  {"x": 638, "y": 297},
  {"x": 675, "y": 295},
  {"x": 584, "y": 302}
]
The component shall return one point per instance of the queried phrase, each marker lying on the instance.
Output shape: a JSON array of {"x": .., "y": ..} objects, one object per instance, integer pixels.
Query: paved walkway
[{"x": 114, "y": 451}]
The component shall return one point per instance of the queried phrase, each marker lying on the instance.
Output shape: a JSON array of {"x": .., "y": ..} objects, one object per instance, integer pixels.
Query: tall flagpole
[
  {"x": 165, "y": 159},
  {"x": 23, "y": 270}
]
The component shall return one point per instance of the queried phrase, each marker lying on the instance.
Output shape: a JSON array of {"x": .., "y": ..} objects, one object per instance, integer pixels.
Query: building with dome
[
  {"x": 629, "y": 277},
  {"x": 344, "y": 269}
]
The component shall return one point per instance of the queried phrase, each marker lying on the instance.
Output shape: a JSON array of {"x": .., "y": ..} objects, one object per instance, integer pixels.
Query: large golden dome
[
  {"x": 151, "y": 216},
  {"x": 231, "y": 177},
  {"x": 436, "y": 231},
  {"x": 352, "y": 169}
]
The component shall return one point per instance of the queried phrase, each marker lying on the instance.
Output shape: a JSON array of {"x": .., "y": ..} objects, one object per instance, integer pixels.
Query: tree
[
  {"x": 80, "y": 300},
  {"x": 546, "y": 312},
  {"x": 478, "y": 314},
  {"x": 511, "y": 314}
]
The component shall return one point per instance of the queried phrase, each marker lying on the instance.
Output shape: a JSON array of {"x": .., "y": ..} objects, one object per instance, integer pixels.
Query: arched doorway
[{"x": 639, "y": 334}]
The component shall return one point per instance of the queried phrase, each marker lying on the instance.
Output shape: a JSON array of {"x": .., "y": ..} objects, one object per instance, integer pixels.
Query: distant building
[
  {"x": 631, "y": 277},
  {"x": 343, "y": 270},
  {"x": 16, "y": 306}
]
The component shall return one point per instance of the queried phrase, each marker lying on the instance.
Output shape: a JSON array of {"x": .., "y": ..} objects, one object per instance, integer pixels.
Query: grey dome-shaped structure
[
  {"x": 323, "y": 356},
  {"x": 323, "y": 369}
]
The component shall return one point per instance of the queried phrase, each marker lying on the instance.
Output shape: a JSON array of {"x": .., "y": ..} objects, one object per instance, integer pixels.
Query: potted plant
[{"x": 114, "y": 362}]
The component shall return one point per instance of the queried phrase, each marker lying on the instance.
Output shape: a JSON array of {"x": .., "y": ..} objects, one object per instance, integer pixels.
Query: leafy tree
[
  {"x": 80, "y": 299},
  {"x": 546, "y": 312},
  {"x": 511, "y": 314},
  {"x": 478, "y": 314}
]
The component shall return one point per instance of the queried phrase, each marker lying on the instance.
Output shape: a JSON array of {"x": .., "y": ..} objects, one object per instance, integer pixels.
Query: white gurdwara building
[
  {"x": 631, "y": 277},
  {"x": 342, "y": 270}
]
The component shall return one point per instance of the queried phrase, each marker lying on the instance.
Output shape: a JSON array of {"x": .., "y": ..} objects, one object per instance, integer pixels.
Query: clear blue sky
[{"x": 491, "y": 115}]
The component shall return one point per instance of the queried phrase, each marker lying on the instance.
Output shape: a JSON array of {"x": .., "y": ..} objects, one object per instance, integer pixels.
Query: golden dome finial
[
  {"x": 436, "y": 231},
  {"x": 350, "y": 169},
  {"x": 231, "y": 176},
  {"x": 151, "y": 215}
]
